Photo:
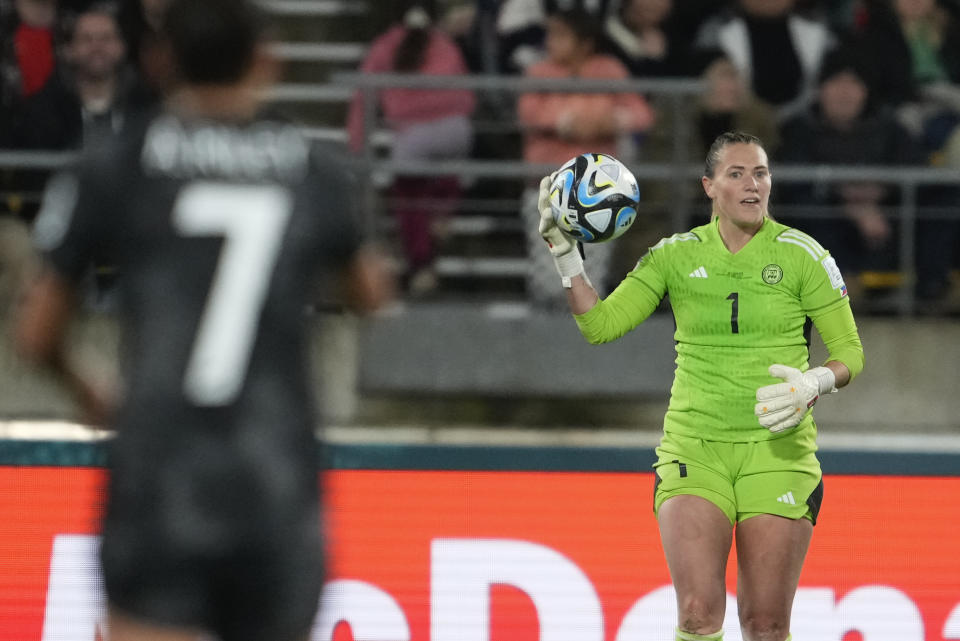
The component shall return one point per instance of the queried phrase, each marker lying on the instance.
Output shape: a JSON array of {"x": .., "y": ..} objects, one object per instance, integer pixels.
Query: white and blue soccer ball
[{"x": 594, "y": 198}]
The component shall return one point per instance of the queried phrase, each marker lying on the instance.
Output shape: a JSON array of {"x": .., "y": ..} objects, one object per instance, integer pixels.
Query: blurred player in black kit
[{"x": 220, "y": 224}]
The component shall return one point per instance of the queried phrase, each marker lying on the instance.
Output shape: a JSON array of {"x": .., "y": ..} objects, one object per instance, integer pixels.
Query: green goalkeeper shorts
[{"x": 778, "y": 476}]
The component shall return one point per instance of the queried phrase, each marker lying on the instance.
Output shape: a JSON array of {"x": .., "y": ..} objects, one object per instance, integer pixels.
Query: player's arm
[
  {"x": 783, "y": 405},
  {"x": 364, "y": 280},
  {"x": 69, "y": 231},
  {"x": 43, "y": 318},
  {"x": 627, "y": 306},
  {"x": 40, "y": 331},
  {"x": 600, "y": 321},
  {"x": 841, "y": 373},
  {"x": 838, "y": 330},
  {"x": 581, "y": 296},
  {"x": 368, "y": 282}
]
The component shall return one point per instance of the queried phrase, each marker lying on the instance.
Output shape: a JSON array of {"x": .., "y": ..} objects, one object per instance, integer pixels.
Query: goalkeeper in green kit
[{"x": 737, "y": 455}]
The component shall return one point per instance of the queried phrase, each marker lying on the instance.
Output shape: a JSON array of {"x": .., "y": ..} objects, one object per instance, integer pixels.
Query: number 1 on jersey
[
  {"x": 252, "y": 220},
  {"x": 735, "y": 312}
]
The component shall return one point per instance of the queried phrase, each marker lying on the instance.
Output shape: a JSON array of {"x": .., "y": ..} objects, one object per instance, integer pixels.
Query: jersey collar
[{"x": 715, "y": 237}]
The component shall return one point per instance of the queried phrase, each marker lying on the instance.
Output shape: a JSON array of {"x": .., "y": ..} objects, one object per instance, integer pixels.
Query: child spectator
[{"x": 427, "y": 124}]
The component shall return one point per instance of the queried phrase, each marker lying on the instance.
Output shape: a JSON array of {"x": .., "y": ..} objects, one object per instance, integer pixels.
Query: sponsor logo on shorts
[{"x": 787, "y": 498}]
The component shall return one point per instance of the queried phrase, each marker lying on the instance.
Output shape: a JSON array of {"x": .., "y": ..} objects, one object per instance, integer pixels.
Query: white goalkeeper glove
[
  {"x": 566, "y": 254},
  {"x": 783, "y": 405}
]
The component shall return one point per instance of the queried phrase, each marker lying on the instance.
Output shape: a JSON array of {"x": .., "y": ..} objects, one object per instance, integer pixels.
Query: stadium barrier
[
  {"x": 448, "y": 543},
  {"x": 496, "y": 364},
  {"x": 679, "y": 172},
  {"x": 305, "y": 8},
  {"x": 907, "y": 179}
]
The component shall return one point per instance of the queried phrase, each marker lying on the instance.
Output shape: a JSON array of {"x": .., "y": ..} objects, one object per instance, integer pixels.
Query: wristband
[
  {"x": 826, "y": 379},
  {"x": 569, "y": 265}
]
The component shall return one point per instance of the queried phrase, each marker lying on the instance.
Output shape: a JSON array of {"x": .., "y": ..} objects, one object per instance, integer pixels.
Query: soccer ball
[{"x": 594, "y": 198}]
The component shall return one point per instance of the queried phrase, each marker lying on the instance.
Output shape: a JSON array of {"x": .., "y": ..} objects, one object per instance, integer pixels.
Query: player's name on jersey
[{"x": 258, "y": 152}]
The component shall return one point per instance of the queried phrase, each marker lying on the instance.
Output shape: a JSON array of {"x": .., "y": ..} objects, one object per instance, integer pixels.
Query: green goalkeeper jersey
[{"x": 736, "y": 314}]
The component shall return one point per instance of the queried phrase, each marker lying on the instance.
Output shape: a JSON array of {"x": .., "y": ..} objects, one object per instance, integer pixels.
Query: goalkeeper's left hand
[{"x": 783, "y": 405}]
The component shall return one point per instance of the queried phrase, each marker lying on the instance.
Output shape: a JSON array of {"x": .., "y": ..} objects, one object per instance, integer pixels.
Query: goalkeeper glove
[
  {"x": 783, "y": 405},
  {"x": 566, "y": 254}
]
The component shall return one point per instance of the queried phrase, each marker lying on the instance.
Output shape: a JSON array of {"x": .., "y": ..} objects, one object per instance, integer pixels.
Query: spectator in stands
[
  {"x": 689, "y": 15},
  {"x": 728, "y": 104},
  {"x": 638, "y": 32},
  {"x": 777, "y": 51},
  {"x": 87, "y": 96},
  {"x": 846, "y": 127},
  {"x": 914, "y": 50},
  {"x": 427, "y": 124},
  {"x": 27, "y": 59},
  {"x": 558, "y": 126},
  {"x": 522, "y": 28},
  {"x": 32, "y": 42},
  {"x": 843, "y": 16},
  {"x": 141, "y": 21},
  {"x": 468, "y": 23},
  {"x": 26, "y": 56}
]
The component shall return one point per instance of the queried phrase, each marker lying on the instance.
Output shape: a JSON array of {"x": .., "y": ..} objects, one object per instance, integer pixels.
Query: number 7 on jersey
[{"x": 252, "y": 220}]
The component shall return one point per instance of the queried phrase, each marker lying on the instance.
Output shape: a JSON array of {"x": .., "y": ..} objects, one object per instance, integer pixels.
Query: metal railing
[
  {"x": 679, "y": 170},
  {"x": 303, "y": 8},
  {"x": 342, "y": 52},
  {"x": 907, "y": 179},
  {"x": 678, "y": 91}
]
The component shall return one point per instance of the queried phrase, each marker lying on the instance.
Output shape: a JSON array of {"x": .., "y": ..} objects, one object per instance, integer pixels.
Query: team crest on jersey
[{"x": 772, "y": 274}]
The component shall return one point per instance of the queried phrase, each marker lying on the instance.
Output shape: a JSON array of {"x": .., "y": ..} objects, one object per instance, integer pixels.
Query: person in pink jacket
[
  {"x": 427, "y": 124},
  {"x": 558, "y": 126}
]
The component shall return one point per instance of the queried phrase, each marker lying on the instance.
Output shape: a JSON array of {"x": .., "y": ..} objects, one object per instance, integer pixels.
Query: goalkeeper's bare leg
[
  {"x": 770, "y": 554},
  {"x": 696, "y": 537}
]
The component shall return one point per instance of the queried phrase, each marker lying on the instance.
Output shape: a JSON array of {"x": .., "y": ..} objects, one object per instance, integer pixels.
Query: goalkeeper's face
[{"x": 740, "y": 186}]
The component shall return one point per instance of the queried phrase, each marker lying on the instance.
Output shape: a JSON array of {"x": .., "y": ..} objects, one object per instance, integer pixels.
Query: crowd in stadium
[{"x": 850, "y": 82}]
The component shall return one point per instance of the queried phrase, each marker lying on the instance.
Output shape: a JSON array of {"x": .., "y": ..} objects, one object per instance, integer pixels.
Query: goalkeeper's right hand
[
  {"x": 566, "y": 254},
  {"x": 783, "y": 405}
]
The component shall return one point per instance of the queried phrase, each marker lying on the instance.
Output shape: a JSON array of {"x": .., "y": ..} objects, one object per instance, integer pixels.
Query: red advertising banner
[{"x": 515, "y": 556}]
